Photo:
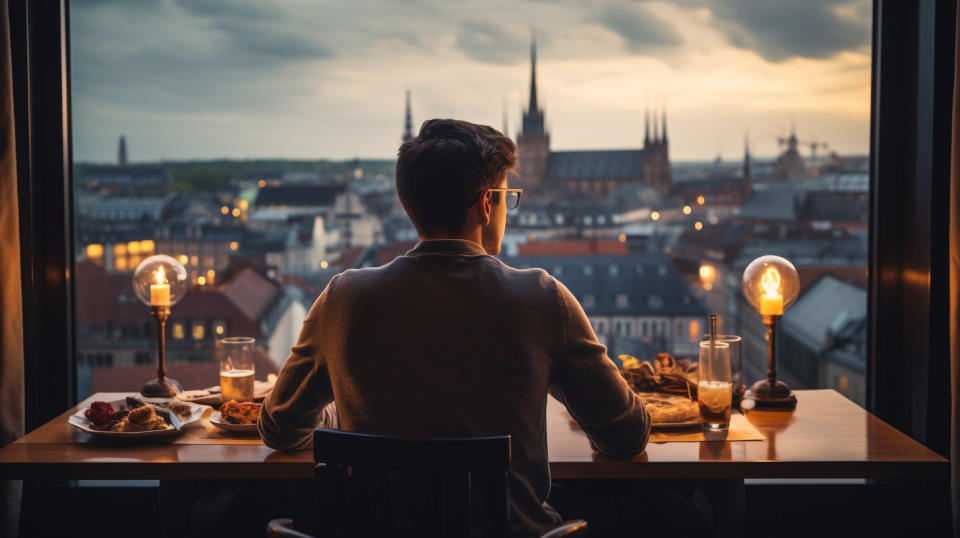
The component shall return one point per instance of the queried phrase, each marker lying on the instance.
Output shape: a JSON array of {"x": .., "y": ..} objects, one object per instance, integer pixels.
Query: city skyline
[{"x": 301, "y": 80}]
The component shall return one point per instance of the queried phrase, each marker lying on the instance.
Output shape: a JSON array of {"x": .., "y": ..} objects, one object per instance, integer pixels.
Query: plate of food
[
  {"x": 234, "y": 416},
  {"x": 670, "y": 410},
  {"x": 134, "y": 417}
]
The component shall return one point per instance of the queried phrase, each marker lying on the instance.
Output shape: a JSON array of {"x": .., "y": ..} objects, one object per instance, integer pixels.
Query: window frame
[{"x": 912, "y": 84}]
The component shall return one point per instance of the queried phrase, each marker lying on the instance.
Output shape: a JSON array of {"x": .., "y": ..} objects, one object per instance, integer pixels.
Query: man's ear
[{"x": 486, "y": 207}]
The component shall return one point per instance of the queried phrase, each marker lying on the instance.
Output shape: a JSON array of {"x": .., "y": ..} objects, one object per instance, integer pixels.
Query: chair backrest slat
[{"x": 376, "y": 484}]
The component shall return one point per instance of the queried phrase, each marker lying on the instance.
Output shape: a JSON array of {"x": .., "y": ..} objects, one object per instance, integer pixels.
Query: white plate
[
  {"x": 80, "y": 421},
  {"x": 217, "y": 420}
]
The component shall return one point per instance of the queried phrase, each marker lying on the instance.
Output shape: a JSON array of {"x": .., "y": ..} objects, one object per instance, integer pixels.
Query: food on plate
[
  {"x": 664, "y": 374},
  {"x": 141, "y": 419},
  {"x": 240, "y": 413},
  {"x": 102, "y": 416},
  {"x": 669, "y": 408}
]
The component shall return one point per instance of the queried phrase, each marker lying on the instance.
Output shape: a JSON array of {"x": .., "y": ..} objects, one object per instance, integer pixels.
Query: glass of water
[
  {"x": 715, "y": 389},
  {"x": 236, "y": 368}
]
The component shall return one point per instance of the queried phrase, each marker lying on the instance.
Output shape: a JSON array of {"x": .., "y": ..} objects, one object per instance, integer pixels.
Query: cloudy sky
[{"x": 185, "y": 79}]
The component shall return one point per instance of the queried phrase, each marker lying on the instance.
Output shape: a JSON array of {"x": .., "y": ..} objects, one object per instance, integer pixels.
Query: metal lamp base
[
  {"x": 771, "y": 396},
  {"x": 161, "y": 388}
]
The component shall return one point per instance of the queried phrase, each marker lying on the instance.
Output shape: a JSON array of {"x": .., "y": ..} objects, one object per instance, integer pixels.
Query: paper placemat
[{"x": 740, "y": 430}]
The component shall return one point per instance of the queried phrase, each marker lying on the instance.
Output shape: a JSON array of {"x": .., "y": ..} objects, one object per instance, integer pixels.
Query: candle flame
[
  {"x": 770, "y": 282},
  {"x": 160, "y": 276}
]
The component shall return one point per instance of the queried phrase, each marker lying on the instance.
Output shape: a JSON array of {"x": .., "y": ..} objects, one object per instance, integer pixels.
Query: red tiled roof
[
  {"x": 192, "y": 375},
  {"x": 103, "y": 296},
  {"x": 211, "y": 304},
  {"x": 573, "y": 247},
  {"x": 251, "y": 292}
]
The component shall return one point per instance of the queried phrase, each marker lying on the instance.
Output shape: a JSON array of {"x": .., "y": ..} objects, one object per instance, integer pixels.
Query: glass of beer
[
  {"x": 736, "y": 362},
  {"x": 236, "y": 368},
  {"x": 715, "y": 389}
]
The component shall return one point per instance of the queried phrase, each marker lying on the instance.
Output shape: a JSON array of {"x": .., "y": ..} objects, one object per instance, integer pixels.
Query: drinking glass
[
  {"x": 715, "y": 389},
  {"x": 736, "y": 361},
  {"x": 236, "y": 368}
]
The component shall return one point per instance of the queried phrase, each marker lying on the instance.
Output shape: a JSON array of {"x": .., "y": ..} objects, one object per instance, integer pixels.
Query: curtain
[
  {"x": 11, "y": 320},
  {"x": 955, "y": 289}
]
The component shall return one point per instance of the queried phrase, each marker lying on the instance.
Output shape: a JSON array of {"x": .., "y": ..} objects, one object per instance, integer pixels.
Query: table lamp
[
  {"x": 771, "y": 285},
  {"x": 160, "y": 282}
]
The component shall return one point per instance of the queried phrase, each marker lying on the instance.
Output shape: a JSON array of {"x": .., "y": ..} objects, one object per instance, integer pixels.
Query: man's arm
[
  {"x": 295, "y": 406},
  {"x": 590, "y": 386}
]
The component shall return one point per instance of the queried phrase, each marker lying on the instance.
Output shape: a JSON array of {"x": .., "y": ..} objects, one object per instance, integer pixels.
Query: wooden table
[{"x": 826, "y": 437}]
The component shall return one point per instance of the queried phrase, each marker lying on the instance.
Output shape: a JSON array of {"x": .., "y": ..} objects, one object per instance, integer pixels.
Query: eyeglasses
[{"x": 512, "y": 196}]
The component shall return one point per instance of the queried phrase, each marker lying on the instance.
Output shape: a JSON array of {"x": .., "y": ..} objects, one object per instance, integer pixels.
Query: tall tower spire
[
  {"x": 407, "y": 121},
  {"x": 533, "y": 117},
  {"x": 646, "y": 126},
  {"x": 663, "y": 117},
  {"x": 534, "y": 108},
  {"x": 122, "y": 151}
]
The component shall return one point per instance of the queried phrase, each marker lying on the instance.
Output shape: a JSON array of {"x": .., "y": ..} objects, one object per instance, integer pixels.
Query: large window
[{"x": 663, "y": 145}]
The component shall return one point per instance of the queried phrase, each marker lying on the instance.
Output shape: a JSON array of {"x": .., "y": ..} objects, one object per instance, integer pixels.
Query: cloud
[
  {"x": 487, "y": 42},
  {"x": 779, "y": 30},
  {"x": 640, "y": 28}
]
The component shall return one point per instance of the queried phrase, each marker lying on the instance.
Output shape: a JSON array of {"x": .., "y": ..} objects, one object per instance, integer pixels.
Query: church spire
[
  {"x": 663, "y": 129},
  {"x": 407, "y": 121},
  {"x": 646, "y": 126},
  {"x": 533, "y": 74},
  {"x": 533, "y": 117},
  {"x": 122, "y": 151}
]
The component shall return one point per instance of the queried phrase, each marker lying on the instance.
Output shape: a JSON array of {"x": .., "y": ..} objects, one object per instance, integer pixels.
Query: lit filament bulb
[
  {"x": 771, "y": 302},
  {"x": 160, "y": 292}
]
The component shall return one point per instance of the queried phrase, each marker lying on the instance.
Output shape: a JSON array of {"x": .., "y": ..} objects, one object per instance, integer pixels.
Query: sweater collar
[{"x": 449, "y": 247}]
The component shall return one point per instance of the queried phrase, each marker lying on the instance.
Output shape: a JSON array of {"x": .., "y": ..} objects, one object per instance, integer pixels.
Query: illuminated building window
[
  {"x": 234, "y": 245},
  {"x": 220, "y": 328},
  {"x": 197, "y": 331},
  {"x": 178, "y": 331},
  {"x": 694, "y": 331},
  {"x": 95, "y": 250},
  {"x": 147, "y": 246},
  {"x": 133, "y": 247},
  {"x": 184, "y": 259},
  {"x": 194, "y": 260},
  {"x": 119, "y": 249},
  {"x": 120, "y": 264}
]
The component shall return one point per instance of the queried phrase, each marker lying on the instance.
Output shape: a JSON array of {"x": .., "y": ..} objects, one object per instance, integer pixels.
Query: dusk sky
[{"x": 192, "y": 79}]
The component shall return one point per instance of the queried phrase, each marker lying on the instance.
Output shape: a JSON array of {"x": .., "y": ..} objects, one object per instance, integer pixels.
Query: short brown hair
[{"x": 442, "y": 171}]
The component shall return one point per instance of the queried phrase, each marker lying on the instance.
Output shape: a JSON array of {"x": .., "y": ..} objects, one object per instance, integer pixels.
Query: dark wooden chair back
[{"x": 373, "y": 485}]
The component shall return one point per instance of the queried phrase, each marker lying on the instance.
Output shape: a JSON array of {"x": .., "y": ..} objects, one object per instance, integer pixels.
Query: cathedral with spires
[{"x": 593, "y": 172}]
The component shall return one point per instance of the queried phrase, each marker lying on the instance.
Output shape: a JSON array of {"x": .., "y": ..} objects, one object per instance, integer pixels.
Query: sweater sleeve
[
  {"x": 590, "y": 386},
  {"x": 299, "y": 400}
]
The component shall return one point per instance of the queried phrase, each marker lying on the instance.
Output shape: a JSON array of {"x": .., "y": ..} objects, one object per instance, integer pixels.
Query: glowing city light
[{"x": 655, "y": 215}]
